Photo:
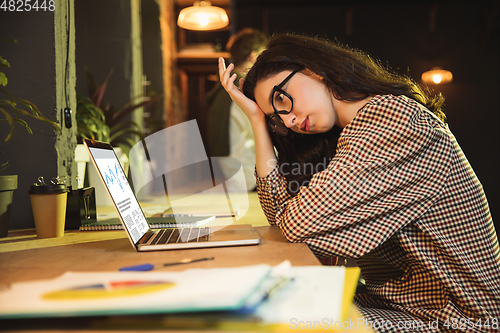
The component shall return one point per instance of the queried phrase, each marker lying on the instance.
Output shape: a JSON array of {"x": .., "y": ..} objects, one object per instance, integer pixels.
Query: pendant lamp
[
  {"x": 202, "y": 16},
  {"x": 437, "y": 75}
]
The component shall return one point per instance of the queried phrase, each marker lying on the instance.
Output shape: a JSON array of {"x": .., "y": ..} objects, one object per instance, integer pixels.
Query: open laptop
[{"x": 142, "y": 237}]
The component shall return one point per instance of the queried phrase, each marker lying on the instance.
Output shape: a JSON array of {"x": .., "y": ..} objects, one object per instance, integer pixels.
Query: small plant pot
[{"x": 8, "y": 184}]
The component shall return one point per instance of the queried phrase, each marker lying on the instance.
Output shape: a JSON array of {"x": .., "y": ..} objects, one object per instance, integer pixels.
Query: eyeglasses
[{"x": 282, "y": 103}]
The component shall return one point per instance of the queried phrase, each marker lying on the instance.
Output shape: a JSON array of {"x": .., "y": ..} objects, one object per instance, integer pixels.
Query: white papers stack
[
  {"x": 256, "y": 294},
  {"x": 111, "y": 293}
]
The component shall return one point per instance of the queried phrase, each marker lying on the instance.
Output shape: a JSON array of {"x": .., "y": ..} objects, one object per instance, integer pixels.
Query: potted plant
[
  {"x": 11, "y": 108},
  {"x": 102, "y": 121}
]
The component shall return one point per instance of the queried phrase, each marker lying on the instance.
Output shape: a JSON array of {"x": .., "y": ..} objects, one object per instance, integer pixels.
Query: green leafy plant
[
  {"x": 101, "y": 121},
  {"x": 11, "y": 108}
]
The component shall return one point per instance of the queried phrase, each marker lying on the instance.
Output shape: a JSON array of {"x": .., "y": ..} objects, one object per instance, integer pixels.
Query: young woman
[{"x": 356, "y": 161}]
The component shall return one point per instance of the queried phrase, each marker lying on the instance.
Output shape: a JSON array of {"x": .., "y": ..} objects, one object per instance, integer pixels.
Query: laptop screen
[{"x": 122, "y": 195}]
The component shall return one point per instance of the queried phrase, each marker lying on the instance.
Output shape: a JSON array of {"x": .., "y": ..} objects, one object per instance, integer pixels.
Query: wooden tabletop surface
[{"x": 23, "y": 257}]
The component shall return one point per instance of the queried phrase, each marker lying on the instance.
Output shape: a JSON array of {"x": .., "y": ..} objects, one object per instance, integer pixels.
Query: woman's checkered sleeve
[
  {"x": 390, "y": 166},
  {"x": 272, "y": 194}
]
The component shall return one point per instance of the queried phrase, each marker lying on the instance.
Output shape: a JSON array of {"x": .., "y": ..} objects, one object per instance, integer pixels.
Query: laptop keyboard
[{"x": 181, "y": 235}]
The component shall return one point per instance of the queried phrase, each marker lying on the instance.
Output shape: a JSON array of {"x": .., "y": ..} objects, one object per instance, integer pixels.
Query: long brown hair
[{"x": 350, "y": 74}]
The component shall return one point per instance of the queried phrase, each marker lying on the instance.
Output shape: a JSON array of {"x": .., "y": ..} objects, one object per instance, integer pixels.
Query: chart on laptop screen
[{"x": 120, "y": 190}]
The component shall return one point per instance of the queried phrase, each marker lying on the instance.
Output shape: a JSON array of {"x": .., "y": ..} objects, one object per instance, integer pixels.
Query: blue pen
[
  {"x": 138, "y": 268},
  {"x": 149, "y": 267}
]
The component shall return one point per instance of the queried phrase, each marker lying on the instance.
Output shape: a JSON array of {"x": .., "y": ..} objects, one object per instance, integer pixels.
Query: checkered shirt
[{"x": 401, "y": 198}]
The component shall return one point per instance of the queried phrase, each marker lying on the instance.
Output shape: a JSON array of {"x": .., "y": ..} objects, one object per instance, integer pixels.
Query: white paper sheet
[
  {"x": 192, "y": 290},
  {"x": 314, "y": 295}
]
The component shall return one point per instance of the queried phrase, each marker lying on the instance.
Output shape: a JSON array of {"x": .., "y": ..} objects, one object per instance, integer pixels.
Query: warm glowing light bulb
[
  {"x": 437, "y": 75},
  {"x": 202, "y": 16},
  {"x": 203, "y": 19},
  {"x": 437, "y": 78}
]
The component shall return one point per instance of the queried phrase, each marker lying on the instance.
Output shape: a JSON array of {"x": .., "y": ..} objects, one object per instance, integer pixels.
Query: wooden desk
[
  {"x": 23, "y": 257},
  {"x": 116, "y": 251}
]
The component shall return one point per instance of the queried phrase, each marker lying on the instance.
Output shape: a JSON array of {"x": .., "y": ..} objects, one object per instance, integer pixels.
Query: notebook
[
  {"x": 171, "y": 221},
  {"x": 195, "y": 211},
  {"x": 141, "y": 236}
]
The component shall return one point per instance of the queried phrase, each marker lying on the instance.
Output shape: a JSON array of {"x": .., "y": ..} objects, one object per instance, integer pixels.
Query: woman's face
[{"x": 313, "y": 108}]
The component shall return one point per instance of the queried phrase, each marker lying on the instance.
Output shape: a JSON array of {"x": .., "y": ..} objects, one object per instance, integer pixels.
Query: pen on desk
[
  {"x": 187, "y": 261},
  {"x": 149, "y": 267},
  {"x": 277, "y": 286}
]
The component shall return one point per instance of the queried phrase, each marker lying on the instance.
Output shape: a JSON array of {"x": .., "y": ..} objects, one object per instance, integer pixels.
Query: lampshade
[
  {"x": 202, "y": 16},
  {"x": 437, "y": 75}
]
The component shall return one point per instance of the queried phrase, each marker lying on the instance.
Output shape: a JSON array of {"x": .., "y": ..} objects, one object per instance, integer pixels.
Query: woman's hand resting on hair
[
  {"x": 264, "y": 150},
  {"x": 249, "y": 107}
]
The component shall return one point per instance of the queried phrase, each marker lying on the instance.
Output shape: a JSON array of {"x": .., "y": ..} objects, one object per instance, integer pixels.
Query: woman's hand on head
[
  {"x": 265, "y": 159},
  {"x": 249, "y": 107}
]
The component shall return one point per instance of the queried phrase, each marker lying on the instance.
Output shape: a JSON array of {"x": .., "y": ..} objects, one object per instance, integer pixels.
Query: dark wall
[
  {"x": 463, "y": 38},
  {"x": 152, "y": 63},
  {"x": 31, "y": 77},
  {"x": 103, "y": 43}
]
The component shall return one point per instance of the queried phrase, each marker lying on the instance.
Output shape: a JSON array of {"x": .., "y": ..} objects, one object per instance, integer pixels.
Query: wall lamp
[
  {"x": 202, "y": 16},
  {"x": 437, "y": 75}
]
